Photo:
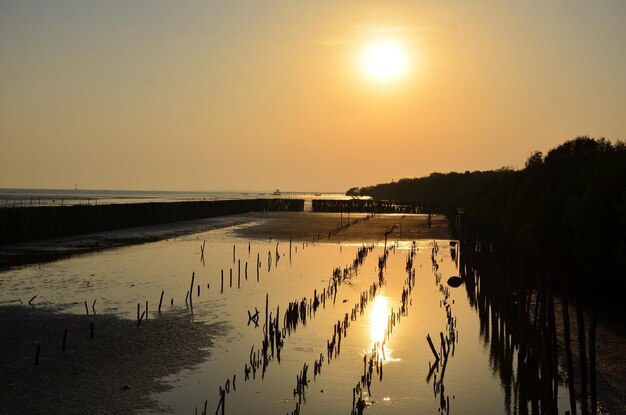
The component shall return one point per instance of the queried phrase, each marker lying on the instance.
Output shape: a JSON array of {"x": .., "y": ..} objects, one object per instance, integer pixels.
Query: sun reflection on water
[
  {"x": 379, "y": 321},
  {"x": 378, "y": 318}
]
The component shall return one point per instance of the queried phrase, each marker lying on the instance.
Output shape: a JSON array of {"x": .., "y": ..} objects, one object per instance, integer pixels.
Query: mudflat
[
  {"x": 344, "y": 227},
  {"x": 112, "y": 373}
]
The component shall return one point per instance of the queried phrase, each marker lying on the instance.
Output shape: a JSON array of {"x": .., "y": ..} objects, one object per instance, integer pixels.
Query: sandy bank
[{"x": 336, "y": 227}]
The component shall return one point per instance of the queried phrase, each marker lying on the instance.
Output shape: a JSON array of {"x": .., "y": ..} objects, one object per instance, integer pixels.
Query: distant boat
[
  {"x": 277, "y": 192},
  {"x": 317, "y": 194}
]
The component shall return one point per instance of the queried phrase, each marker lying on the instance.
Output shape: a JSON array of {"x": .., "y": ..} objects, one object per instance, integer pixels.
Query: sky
[{"x": 259, "y": 95}]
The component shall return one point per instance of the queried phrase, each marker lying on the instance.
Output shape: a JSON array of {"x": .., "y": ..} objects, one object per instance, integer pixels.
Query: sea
[{"x": 68, "y": 197}]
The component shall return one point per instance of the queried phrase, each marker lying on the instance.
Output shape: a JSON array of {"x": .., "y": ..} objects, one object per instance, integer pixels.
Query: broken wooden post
[
  {"x": 141, "y": 318},
  {"x": 193, "y": 276},
  {"x": 432, "y": 348}
]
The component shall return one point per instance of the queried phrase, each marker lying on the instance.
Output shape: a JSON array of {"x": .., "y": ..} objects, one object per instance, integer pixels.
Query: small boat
[{"x": 455, "y": 281}]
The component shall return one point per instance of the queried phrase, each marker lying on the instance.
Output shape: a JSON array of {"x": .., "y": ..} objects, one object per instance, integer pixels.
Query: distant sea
[{"x": 66, "y": 197}]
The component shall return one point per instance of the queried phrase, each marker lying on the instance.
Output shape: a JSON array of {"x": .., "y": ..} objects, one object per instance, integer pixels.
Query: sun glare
[
  {"x": 378, "y": 319},
  {"x": 384, "y": 60}
]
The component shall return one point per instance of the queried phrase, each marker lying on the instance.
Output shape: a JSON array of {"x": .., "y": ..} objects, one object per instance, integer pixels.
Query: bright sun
[{"x": 384, "y": 60}]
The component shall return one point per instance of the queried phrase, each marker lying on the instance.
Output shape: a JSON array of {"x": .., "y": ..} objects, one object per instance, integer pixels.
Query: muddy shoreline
[
  {"x": 112, "y": 373},
  {"x": 46, "y": 250}
]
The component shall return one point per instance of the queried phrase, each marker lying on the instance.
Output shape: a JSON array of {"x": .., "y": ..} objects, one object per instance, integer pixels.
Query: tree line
[{"x": 566, "y": 209}]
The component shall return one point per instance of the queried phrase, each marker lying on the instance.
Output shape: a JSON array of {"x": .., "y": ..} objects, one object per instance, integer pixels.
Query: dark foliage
[{"x": 567, "y": 209}]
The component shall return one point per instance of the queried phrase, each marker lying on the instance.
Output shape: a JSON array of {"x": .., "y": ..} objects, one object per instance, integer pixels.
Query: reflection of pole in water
[
  {"x": 580, "y": 320},
  {"x": 568, "y": 355}
]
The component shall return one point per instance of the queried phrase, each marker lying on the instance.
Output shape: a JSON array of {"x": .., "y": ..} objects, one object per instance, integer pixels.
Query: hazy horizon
[
  {"x": 157, "y": 190},
  {"x": 245, "y": 95}
]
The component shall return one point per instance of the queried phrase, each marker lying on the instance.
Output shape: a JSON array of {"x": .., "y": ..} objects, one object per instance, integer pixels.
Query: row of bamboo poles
[
  {"x": 519, "y": 319},
  {"x": 23, "y": 224}
]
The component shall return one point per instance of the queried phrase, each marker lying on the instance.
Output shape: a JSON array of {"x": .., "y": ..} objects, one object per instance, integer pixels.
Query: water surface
[{"x": 119, "y": 279}]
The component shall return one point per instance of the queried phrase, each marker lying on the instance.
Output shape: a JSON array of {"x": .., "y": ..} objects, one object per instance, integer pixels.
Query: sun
[{"x": 384, "y": 60}]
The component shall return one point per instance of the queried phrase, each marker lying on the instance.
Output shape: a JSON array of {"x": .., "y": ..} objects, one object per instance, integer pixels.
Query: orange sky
[{"x": 259, "y": 95}]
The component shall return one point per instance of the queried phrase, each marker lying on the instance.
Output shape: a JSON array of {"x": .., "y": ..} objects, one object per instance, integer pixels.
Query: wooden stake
[
  {"x": 432, "y": 348},
  {"x": 193, "y": 276},
  {"x": 592, "y": 363},
  {"x": 141, "y": 318},
  {"x": 161, "y": 300},
  {"x": 64, "y": 340},
  {"x": 568, "y": 354},
  {"x": 580, "y": 319}
]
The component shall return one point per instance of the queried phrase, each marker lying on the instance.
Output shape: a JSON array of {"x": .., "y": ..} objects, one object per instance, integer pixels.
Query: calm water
[
  {"x": 65, "y": 197},
  {"x": 120, "y": 278}
]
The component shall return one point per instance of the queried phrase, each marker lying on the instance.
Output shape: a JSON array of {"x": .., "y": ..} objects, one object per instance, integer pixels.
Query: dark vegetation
[{"x": 566, "y": 210}]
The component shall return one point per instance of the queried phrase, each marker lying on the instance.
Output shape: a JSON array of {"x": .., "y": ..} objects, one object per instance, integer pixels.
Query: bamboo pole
[
  {"x": 580, "y": 319},
  {"x": 37, "y": 354},
  {"x": 592, "y": 363},
  {"x": 64, "y": 340},
  {"x": 193, "y": 276},
  {"x": 432, "y": 348},
  {"x": 568, "y": 354}
]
